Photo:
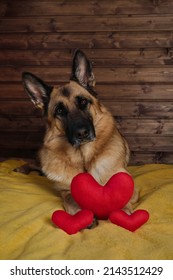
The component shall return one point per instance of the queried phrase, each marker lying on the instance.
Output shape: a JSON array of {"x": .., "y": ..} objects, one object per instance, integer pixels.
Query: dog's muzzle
[{"x": 81, "y": 134}]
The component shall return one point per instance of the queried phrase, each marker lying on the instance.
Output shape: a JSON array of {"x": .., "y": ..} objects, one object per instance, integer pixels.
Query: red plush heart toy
[
  {"x": 72, "y": 224},
  {"x": 102, "y": 201},
  {"x": 131, "y": 222}
]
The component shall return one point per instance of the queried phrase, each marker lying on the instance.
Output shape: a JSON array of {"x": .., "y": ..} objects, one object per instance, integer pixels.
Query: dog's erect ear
[
  {"x": 82, "y": 70},
  {"x": 37, "y": 90}
]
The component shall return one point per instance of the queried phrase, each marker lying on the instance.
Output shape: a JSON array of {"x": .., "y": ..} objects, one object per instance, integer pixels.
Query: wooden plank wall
[{"x": 131, "y": 45}]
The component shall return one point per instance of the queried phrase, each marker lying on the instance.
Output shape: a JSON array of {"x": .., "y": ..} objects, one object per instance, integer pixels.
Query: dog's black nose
[{"x": 82, "y": 133}]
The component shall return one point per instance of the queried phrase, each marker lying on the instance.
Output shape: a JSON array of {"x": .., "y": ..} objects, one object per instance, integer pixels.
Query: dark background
[{"x": 131, "y": 45}]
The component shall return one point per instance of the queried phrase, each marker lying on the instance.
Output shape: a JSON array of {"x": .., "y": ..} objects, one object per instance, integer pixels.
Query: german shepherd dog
[{"x": 81, "y": 133}]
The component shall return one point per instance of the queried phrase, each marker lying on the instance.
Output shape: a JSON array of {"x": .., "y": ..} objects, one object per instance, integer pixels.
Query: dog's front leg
[
  {"x": 69, "y": 204},
  {"x": 128, "y": 208},
  {"x": 72, "y": 207}
]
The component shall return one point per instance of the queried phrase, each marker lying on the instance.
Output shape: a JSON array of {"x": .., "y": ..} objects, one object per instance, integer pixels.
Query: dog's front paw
[
  {"x": 128, "y": 209},
  {"x": 28, "y": 168},
  {"x": 94, "y": 223},
  {"x": 24, "y": 169}
]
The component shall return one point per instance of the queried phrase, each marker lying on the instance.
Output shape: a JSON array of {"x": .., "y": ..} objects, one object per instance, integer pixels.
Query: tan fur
[{"x": 102, "y": 158}]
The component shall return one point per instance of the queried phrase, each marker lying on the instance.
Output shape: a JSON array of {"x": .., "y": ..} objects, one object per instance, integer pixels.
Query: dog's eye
[
  {"x": 82, "y": 103},
  {"x": 60, "y": 110}
]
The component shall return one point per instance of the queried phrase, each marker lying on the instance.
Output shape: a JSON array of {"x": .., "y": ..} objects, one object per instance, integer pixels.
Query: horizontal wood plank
[
  {"x": 103, "y": 75},
  {"x": 57, "y": 24},
  {"x": 141, "y": 109},
  {"x": 91, "y": 40},
  {"x": 156, "y": 92},
  {"x": 22, "y": 108},
  {"x": 99, "y": 57},
  {"x": 19, "y": 123},
  {"x": 21, "y": 140},
  {"x": 129, "y": 92},
  {"x": 141, "y": 126},
  {"x": 110, "y": 7},
  {"x": 12, "y": 153},
  {"x": 139, "y": 158},
  {"x": 150, "y": 144}
]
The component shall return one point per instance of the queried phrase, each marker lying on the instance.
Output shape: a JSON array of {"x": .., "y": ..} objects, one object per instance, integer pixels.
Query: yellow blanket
[{"x": 26, "y": 232}]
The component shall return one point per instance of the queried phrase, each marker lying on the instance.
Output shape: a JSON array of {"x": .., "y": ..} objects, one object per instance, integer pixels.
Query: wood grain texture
[
  {"x": 147, "y": 91},
  {"x": 130, "y": 44},
  {"x": 100, "y": 58},
  {"x": 110, "y": 7},
  {"x": 89, "y": 40},
  {"x": 107, "y": 75},
  {"x": 57, "y": 24},
  {"x": 19, "y": 8}
]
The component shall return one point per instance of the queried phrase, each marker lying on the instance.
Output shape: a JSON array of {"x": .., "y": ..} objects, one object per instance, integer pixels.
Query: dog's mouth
[{"x": 79, "y": 142}]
